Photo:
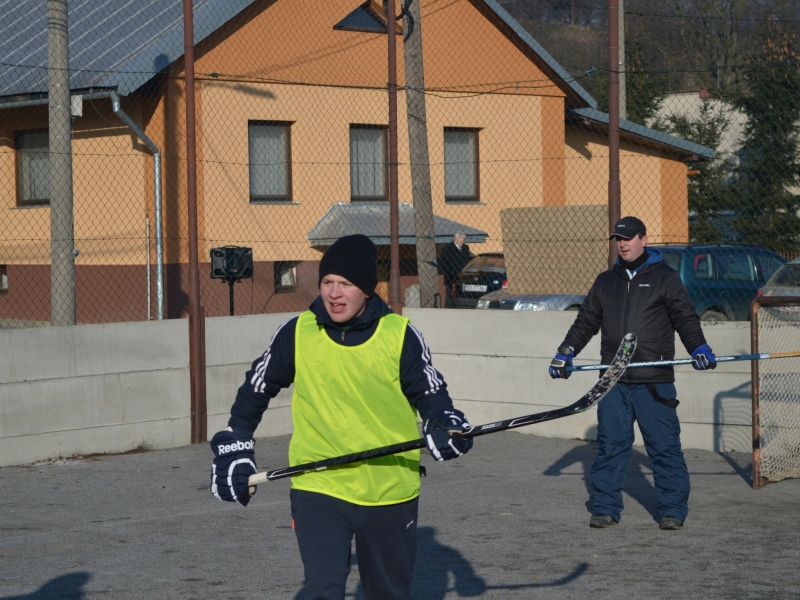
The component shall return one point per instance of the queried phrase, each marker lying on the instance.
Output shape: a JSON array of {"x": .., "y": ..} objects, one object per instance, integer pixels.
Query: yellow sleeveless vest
[{"x": 348, "y": 399}]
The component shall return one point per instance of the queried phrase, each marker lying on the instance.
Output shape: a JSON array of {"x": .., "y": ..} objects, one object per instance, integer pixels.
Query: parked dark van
[{"x": 722, "y": 280}]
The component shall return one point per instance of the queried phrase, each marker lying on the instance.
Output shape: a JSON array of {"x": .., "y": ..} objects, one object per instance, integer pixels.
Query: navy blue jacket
[
  {"x": 423, "y": 385},
  {"x": 653, "y": 305}
]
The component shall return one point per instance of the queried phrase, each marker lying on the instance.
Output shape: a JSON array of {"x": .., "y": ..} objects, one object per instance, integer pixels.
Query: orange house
[{"x": 291, "y": 123}]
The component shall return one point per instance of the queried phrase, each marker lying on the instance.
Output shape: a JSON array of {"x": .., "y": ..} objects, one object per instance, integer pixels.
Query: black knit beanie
[{"x": 355, "y": 258}]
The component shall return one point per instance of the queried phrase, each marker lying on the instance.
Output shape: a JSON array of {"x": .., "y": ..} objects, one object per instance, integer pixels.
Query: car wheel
[{"x": 713, "y": 316}]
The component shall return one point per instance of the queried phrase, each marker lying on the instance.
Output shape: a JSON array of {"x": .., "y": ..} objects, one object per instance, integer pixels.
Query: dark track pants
[
  {"x": 661, "y": 434},
  {"x": 386, "y": 545}
]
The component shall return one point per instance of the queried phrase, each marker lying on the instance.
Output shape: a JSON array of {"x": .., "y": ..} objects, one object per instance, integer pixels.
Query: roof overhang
[
  {"x": 630, "y": 131},
  {"x": 577, "y": 96},
  {"x": 372, "y": 219}
]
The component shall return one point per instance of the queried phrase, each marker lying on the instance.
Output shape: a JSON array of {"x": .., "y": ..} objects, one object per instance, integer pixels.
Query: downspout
[{"x": 115, "y": 106}]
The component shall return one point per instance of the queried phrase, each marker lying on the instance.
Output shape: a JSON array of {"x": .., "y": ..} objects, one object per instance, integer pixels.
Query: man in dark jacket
[
  {"x": 453, "y": 258},
  {"x": 643, "y": 295},
  {"x": 361, "y": 374}
]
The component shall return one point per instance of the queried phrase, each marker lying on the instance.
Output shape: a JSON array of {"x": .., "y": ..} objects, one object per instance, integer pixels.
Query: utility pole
[
  {"x": 63, "y": 305},
  {"x": 623, "y": 108},
  {"x": 394, "y": 214},
  {"x": 418, "y": 152},
  {"x": 613, "y": 126},
  {"x": 197, "y": 341}
]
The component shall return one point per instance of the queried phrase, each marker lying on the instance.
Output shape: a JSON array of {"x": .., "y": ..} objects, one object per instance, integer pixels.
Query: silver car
[
  {"x": 502, "y": 300},
  {"x": 784, "y": 282}
]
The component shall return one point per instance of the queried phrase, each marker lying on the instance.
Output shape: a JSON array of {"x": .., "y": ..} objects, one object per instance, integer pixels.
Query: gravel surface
[{"x": 509, "y": 520}]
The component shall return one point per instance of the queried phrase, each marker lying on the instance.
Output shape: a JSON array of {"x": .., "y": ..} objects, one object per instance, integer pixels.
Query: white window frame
[{"x": 284, "y": 274}]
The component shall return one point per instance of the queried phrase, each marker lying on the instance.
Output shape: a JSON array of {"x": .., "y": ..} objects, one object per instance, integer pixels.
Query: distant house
[
  {"x": 291, "y": 121},
  {"x": 689, "y": 103}
]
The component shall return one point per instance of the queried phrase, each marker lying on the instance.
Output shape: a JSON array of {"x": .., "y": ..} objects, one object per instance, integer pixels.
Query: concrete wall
[
  {"x": 495, "y": 364},
  {"x": 114, "y": 387}
]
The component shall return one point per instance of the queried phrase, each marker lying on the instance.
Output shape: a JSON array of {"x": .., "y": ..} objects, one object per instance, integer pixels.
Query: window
[
  {"x": 703, "y": 269},
  {"x": 368, "y": 167},
  {"x": 736, "y": 266},
  {"x": 3, "y": 279},
  {"x": 269, "y": 145},
  {"x": 461, "y": 164},
  {"x": 788, "y": 275},
  {"x": 285, "y": 274},
  {"x": 33, "y": 167},
  {"x": 673, "y": 259},
  {"x": 767, "y": 264}
]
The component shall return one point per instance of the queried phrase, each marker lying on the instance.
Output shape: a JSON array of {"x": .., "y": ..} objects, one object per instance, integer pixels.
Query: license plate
[{"x": 467, "y": 287}]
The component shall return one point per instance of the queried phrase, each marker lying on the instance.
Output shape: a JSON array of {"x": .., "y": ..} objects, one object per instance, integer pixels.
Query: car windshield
[
  {"x": 486, "y": 263},
  {"x": 788, "y": 275},
  {"x": 768, "y": 264}
]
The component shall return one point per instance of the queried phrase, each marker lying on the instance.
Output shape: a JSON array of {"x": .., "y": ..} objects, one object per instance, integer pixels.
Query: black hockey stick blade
[
  {"x": 615, "y": 370},
  {"x": 609, "y": 379}
]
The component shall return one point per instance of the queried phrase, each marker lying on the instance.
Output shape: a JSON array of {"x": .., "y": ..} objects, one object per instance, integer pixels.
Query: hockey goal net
[{"x": 775, "y": 324}]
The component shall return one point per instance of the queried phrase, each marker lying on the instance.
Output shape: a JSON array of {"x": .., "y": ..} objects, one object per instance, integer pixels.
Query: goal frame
[{"x": 759, "y": 480}]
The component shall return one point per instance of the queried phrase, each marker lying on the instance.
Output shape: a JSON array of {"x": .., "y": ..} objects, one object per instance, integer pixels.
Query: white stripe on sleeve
[
  {"x": 257, "y": 381},
  {"x": 434, "y": 380}
]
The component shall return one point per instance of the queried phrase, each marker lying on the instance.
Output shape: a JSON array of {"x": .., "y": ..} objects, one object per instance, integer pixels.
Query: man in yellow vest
[{"x": 361, "y": 374}]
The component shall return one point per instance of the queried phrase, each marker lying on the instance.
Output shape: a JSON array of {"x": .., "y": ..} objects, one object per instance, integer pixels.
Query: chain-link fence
[{"x": 502, "y": 149}]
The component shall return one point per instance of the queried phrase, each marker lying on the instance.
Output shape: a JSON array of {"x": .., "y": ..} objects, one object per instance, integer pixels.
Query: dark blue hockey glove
[
  {"x": 234, "y": 462},
  {"x": 562, "y": 360},
  {"x": 704, "y": 358},
  {"x": 441, "y": 444}
]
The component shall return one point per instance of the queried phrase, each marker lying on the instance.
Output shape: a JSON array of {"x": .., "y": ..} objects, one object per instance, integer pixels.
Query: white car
[
  {"x": 502, "y": 300},
  {"x": 784, "y": 282}
]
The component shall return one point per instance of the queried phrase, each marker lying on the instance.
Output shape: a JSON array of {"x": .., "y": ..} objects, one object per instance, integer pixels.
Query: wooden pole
[
  {"x": 418, "y": 152},
  {"x": 614, "y": 191},
  {"x": 394, "y": 212},
  {"x": 197, "y": 344}
]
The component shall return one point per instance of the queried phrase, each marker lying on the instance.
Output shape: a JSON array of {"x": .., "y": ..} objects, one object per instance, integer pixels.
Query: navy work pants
[
  {"x": 661, "y": 434},
  {"x": 386, "y": 545}
]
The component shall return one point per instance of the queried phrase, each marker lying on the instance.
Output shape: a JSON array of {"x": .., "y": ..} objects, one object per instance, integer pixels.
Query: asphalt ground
[{"x": 507, "y": 521}]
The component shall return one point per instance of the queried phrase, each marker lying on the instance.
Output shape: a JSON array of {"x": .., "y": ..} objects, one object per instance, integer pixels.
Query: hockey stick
[
  {"x": 688, "y": 361},
  {"x": 592, "y": 397}
]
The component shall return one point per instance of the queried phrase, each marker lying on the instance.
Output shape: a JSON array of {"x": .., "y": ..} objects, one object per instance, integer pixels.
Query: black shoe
[
  {"x": 601, "y": 521},
  {"x": 670, "y": 523}
]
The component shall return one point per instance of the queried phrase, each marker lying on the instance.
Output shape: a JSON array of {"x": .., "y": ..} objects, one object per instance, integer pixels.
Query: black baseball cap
[{"x": 628, "y": 227}]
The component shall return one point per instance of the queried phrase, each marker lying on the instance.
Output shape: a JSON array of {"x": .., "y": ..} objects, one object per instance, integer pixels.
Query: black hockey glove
[
  {"x": 562, "y": 360},
  {"x": 441, "y": 444},
  {"x": 234, "y": 462},
  {"x": 703, "y": 358}
]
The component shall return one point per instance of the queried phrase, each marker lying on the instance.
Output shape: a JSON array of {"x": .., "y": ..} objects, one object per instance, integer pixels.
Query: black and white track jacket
[{"x": 421, "y": 383}]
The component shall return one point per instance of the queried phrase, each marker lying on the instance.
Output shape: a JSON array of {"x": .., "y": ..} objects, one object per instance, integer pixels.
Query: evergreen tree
[
  {"x": 645, "y": 87},
  {"x": 709, "y": 195},
  {"x": 766, "y": 207}
]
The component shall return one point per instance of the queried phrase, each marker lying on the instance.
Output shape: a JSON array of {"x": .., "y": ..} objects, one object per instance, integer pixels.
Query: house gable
[{"x": 312, "y": 51}]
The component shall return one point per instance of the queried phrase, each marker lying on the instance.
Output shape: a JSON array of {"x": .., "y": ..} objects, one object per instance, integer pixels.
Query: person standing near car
[
  {"x": 453, "y": 258},
  {"x": 360, "y": 373},
  {"x": 643, "y": 295}
]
